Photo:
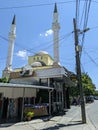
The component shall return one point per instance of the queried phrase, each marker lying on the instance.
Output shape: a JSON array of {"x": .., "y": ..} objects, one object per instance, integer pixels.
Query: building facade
[{"x": 42, "y": 83}]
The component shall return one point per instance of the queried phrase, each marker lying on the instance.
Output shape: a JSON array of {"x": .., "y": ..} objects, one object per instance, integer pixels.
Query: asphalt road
[
  {"x": 92, "y": 111},
  {"x": 70, "y": 121}
]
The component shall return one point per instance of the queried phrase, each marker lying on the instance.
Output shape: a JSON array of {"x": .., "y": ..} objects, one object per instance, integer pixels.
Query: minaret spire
[
  {"x": 14, "y": 20},
  {"x": 55, "y": 8},
  {"x": 56, "y": 28},
  {"x": 11, "y": 37}
]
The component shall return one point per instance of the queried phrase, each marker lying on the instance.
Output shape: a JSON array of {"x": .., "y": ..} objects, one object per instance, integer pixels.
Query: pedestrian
[{"x": 74, "y": 102}]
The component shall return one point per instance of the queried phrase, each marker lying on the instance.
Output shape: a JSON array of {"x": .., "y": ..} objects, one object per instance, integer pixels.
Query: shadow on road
[
  {"x": 58, "y": 126},
  {"x": 8, "y": 122}
]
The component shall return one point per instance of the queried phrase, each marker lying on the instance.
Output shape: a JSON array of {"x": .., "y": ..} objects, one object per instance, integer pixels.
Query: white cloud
[
  {"x": 40, "y": 34},
  {"x": 23, "y": 54},
  {"x": 47, "y": 33}
]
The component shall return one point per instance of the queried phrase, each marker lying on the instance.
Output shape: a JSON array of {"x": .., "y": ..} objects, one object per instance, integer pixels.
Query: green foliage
[
  {"x": 4, "y": 80},
  {"x": 96, "y": 93},
  {"x": 87, "y": 84},
  {"x": 29, "y": 114},
  {"x": 74, "y": 91}
]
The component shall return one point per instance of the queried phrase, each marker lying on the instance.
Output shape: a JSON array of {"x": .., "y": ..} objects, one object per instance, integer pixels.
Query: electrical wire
[
  {"x": 61, "y": 40},
  {"x": 77, "y": 11},
  {"x": 87, "y": 9},
  {"x": 31, "y": 50},
  {"x": 93, "y": 27},
  {"x": 4, "y": 38},
  {"x": 50, "y": 44},
  {"x": 83, "y": 13},
  {"x": 93, "y": 61},
  {"x": 35, "y": 5},
  {"x": 86, "y": 15}
]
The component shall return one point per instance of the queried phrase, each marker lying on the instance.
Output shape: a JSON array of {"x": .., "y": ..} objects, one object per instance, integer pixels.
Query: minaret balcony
[
  {"x": 11, "y": 36},
  {"x": 55, "y": 26}
]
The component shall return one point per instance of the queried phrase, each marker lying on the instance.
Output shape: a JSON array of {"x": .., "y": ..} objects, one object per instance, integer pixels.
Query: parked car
[
  {"x": 95, "y": 97},
  {"x": 89, "y": 99}
]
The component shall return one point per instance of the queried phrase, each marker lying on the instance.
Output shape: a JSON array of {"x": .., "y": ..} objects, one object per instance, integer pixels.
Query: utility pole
[{"x": 78, "y": 68}]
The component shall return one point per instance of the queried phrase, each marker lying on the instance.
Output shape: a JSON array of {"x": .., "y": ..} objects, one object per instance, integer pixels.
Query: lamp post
[{"x": 78, "y": 68}]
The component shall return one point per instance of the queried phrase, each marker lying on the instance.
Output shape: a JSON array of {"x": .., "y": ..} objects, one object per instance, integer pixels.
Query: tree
[
  {"x": 96, "y": 93},
  {"x": 4, "y": 80},
  {"x": 74, "y": 91},
  {"x": 87, "y": 84}
]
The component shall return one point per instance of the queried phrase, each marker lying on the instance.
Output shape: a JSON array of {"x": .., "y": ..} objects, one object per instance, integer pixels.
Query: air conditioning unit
[{"x": 26, "y": 72}]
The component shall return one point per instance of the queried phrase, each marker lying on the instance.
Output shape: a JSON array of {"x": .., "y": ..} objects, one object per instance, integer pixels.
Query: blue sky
[{"x": 33, "y": 33}]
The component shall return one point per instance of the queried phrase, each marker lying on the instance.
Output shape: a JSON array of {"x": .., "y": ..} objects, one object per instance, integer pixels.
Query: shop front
[{"x": 18, "y": 99}]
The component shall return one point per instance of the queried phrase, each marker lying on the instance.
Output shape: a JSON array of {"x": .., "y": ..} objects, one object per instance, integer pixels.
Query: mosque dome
[
  {"x": 27, "y": 67},
  {"x": 38, "y": 63},
  {"x": 42, "y": 53}
]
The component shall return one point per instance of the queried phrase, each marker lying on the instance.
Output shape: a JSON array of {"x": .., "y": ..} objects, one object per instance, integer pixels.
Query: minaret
[
  {"x": 56, "y": 28},
  {"x": 11, "y": 38}
]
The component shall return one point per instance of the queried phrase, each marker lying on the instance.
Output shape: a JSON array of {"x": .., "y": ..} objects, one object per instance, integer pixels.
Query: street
[
  {"x": 70, "y": 121},
  {"x": 92, "y": 111}
]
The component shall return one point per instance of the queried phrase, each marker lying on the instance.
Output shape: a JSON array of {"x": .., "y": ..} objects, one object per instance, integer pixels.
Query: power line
[
  {"x": 31, "y": 50},
  {"x": 50, "y": 44},
  {"x": 87, "y": 9},
  {"x": 93, "y": 61},
  {"x": 86, "y": 14},
  {"x": 77, "y": 11},
  {"x": 61, "y": 40},
  {"x": 4, "y": 38},
  {"x": 35, "y": 5},
  {"x": 83, "y": 13},
  {"x": 93, "y": 27}
]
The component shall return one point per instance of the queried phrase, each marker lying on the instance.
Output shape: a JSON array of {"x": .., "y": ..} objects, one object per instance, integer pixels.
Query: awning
[
  {"x": 24, "y": 86},
  {"x": 17, "y": 90}
]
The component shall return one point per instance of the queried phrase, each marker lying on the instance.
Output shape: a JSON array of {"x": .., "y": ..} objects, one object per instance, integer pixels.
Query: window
[
  {"x": 41, "y": 57},
  {"x": 37, "y": 58}
]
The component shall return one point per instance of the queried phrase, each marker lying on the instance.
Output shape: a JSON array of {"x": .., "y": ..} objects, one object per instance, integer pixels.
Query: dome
[
  {"x": 35, "y": 64},
  {"x": 38, "y": 63},
  {"x": 42, "y": 53},
  {"x": 27, "y": 67}
]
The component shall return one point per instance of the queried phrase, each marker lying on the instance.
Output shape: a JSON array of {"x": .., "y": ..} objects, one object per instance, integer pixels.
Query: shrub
[{"x": 29, "y": 114}]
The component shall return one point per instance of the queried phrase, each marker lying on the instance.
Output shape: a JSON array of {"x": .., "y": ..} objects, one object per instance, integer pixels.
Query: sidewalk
[{"x": 70, "y": 121}]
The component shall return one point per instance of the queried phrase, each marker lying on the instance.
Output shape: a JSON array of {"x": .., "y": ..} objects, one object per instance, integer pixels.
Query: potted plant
[{"x": 29, "y": 115}]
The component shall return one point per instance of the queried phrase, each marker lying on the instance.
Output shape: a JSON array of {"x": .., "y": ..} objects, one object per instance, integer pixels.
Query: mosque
[{"x": 42, "y": 83}]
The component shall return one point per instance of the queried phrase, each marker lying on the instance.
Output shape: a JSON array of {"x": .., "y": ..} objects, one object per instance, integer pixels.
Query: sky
[{"x": 34, "y": 33}]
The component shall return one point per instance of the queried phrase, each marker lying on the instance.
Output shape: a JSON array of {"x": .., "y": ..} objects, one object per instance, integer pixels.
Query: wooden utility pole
[{"x": 78, "y": 68}]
